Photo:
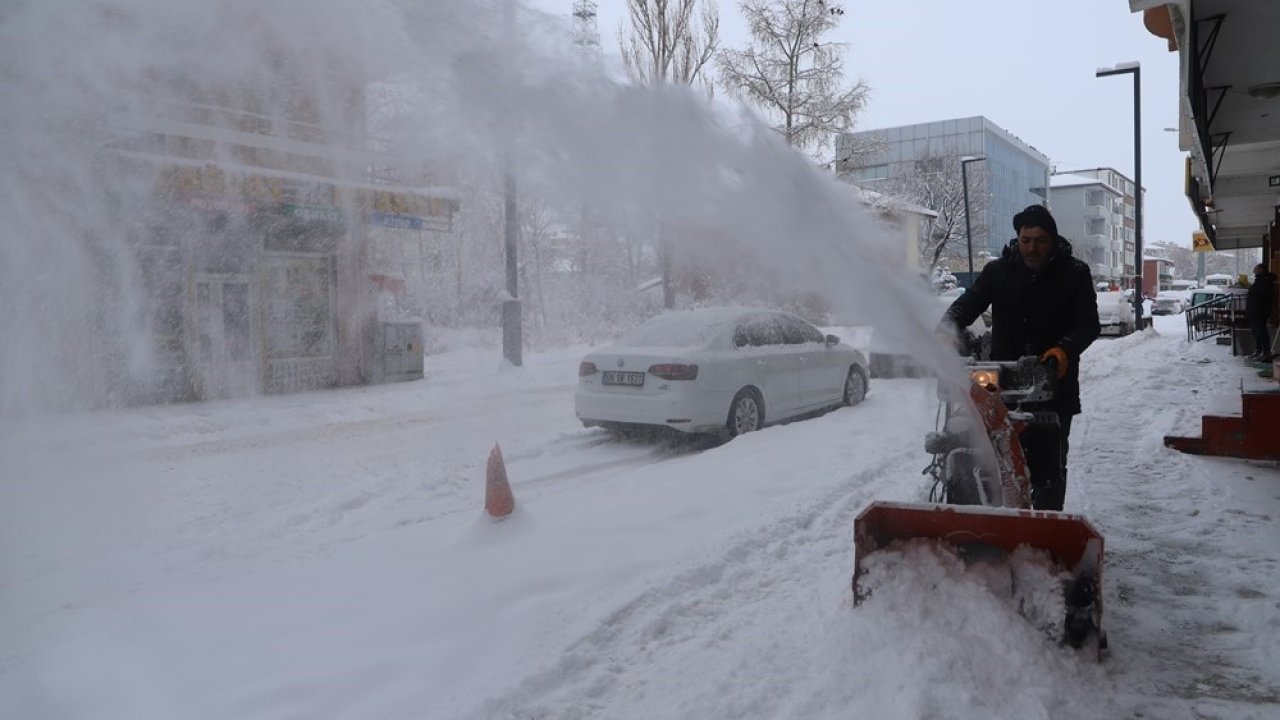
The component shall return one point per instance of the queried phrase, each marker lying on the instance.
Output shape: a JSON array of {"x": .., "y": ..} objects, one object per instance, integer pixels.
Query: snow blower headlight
[{"x": 987, "y": 378}]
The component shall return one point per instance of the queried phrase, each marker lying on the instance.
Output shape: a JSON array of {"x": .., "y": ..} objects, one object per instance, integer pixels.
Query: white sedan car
[
  {"x": 1170, "y": 302},
  {"x": 717, "y": 370}
]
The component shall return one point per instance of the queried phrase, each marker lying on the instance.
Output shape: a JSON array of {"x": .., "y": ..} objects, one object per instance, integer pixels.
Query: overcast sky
[{"x": 1028, "y": 65}]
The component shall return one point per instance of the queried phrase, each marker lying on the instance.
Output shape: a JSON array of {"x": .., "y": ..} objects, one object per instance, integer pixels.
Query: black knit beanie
[{"x": 1036, "y": 216}]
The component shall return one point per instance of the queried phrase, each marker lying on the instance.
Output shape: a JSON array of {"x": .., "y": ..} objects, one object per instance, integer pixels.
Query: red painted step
[{"x": 1254, "y": 434}]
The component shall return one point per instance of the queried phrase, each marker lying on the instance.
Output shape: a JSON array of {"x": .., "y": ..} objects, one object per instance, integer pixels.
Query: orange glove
[{"x": 1060, "y": 355}]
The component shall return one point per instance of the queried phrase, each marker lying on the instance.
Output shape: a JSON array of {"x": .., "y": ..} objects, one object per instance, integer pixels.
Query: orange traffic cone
[{"x": 498, "y": 500}]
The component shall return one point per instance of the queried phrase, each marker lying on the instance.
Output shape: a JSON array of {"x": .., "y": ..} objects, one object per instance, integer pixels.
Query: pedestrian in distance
[{"x": 1257, "y": 310}]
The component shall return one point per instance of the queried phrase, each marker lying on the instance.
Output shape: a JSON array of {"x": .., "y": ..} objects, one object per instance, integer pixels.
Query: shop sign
[
  {"x": 314, "y": 213},
  {"x": 400, "y": 222},
  {"x": 211, "y": 181},
  {"x": 390, "y": 202},
  {"x": 221, "y": 204}
]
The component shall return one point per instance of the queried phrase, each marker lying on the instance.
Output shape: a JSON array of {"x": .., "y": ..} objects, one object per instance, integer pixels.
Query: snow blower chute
[{"x": 980, "y": 511}]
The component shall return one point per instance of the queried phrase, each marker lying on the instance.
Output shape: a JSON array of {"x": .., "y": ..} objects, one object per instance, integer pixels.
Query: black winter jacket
[
  {"x": 1257, "y": 303},
  {"x": 1035, "y": 310}
]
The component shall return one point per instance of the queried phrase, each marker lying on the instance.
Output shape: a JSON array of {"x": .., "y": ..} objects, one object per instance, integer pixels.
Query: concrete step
[{"x": 1254, "y": 434}]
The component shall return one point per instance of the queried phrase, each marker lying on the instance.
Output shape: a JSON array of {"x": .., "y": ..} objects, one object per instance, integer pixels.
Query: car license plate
[{"x": 614, "y": 377}]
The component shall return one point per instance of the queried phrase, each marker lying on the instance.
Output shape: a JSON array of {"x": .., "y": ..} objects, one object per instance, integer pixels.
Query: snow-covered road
[{"x": 325, "y": 555}]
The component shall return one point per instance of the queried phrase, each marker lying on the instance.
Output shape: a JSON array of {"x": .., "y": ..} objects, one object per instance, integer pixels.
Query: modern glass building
[{"x": 1013, "y": 174}]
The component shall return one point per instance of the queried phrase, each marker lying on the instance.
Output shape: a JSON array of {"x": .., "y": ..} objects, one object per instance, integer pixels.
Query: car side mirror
[{"x": 833, "y": 340}]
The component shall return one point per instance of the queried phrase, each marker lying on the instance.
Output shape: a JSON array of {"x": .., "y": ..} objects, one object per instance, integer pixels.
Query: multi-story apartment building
[
  {"x": 1010, "y": 176},
  {"x": 1096, "y": 209}
]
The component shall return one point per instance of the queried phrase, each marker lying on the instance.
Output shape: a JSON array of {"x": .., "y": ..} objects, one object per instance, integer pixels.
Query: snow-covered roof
[
  {"x": 891, "y": 203},
  {"x": 1067, "y": 180}
]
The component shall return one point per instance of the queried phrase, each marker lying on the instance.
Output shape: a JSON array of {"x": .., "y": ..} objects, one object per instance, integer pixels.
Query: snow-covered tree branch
[
  {"x": 791, "y": 74},
  {"x": 667, "y": 43},
  {"x": 936, "y": 183}
]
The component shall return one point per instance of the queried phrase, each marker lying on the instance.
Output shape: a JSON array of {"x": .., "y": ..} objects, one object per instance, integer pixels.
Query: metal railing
[{"x": 1218, "y": 316}]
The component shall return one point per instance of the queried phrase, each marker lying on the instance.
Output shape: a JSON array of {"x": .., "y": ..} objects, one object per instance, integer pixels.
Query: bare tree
[
  {"x": 667, "y": 44},
  {"x": 936, "y": 182},
  {"x": 791, "y": 73},
  {"x": 538, "y": 231},
  {"x": 852, "y": 149}
]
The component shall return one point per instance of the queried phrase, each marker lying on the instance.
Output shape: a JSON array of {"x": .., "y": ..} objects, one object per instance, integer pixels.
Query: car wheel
[
  {"x": 746, "y": 412},
  {"x": 855, "y": 386}
]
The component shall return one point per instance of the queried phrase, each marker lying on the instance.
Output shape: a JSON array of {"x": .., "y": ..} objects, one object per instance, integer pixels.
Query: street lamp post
[
  {"x": 968, "y": 231},
  {"x": 512, "y": 327},
  {"x": 1136, "y": 70}
]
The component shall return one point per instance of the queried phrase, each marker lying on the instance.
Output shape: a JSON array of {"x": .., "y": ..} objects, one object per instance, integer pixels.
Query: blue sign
[{"x": 391, "y": 220}]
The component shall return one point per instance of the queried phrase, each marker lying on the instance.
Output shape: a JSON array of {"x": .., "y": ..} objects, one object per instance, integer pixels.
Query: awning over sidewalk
[{"x": 1229, "y": 110}]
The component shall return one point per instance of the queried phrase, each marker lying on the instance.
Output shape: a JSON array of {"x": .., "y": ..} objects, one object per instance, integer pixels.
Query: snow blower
[{"x": 981, "y": 510}]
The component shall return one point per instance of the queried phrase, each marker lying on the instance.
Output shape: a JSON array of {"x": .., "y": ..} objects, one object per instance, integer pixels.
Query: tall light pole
[
  {"x": 1123, "y": 69},
  {"x": 968, "y": 231},
  {"x": 512, "y": 335}
]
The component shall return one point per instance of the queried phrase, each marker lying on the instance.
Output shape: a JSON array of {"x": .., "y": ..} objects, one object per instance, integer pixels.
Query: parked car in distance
[
  {"x": 887, "y": 359},
  {"x": 1200, "y": 296},
  {"x": 1115, "y": 312},
  {"x": 1168, "y": 302},
  {"x": 712, "y": 370}
]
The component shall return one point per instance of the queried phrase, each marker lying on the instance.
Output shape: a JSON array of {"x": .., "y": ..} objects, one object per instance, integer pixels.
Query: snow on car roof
[{"x": 684, "y": 328}]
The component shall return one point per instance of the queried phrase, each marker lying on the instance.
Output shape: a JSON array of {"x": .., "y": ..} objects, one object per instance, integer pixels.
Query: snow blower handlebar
[{"x": 1024, "y": 380}]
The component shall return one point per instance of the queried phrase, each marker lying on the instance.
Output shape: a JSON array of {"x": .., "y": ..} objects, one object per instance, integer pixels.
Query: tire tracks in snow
[
  {"x": 591, "y": 672},
  {"x": 338, "y": 430}
]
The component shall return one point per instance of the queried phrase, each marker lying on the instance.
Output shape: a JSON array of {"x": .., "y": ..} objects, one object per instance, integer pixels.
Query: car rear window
[{"x": 674, "y": 330}]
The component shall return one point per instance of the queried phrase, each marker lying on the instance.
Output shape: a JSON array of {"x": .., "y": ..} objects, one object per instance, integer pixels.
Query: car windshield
[{"x": 675, "y": 329}]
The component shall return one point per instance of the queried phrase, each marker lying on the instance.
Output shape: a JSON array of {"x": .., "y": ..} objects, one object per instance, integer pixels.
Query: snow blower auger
[{"x": 982, "y": 513}]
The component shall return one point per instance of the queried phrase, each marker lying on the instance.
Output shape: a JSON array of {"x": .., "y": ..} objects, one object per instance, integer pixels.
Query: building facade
[
  {"x": 1011, "y": 175},
  {"x": 1096, "y": 210},
  {"x": 255, "y": 228},
  {"x": 909, "y": 225}
]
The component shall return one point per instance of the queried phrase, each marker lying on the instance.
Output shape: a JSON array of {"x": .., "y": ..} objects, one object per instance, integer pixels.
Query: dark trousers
[
  {"x": 1045, "y": 446},
  {"x": 1261, "y": 338}
]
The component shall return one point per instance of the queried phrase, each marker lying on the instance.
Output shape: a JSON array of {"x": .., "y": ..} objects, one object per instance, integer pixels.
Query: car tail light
[
  {"x": 586, "y": 368},
  {"x": 674, "y": 371}
]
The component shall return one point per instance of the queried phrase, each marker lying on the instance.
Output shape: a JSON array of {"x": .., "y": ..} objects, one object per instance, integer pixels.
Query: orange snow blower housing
[{"x": 977, "y": 509}]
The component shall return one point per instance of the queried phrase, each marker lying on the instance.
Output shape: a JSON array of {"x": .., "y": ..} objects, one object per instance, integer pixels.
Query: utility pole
[
  {"x": 1134, "y": 69},
  {"x": 968, "y": 232},
  {"x": 586, "y": 34},
  {"x": 512, "y": 339}
]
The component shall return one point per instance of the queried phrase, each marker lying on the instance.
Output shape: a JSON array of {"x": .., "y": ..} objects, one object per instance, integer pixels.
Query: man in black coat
[
  {"x": 1042, "y": 303},
  {"x": 1257, "y": 309}
]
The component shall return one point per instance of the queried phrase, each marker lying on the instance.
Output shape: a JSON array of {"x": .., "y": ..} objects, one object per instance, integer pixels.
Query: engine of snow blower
[
  {"x": 979, "y": 506},
  {"x": 1005, "y": 404}
]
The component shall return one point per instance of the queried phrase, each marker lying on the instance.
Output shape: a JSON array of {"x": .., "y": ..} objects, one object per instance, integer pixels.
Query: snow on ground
[{"x": 326, "y": 556}]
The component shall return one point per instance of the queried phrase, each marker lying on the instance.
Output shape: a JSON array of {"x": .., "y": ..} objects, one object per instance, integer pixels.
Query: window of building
[{"x": 871, "y": 172}]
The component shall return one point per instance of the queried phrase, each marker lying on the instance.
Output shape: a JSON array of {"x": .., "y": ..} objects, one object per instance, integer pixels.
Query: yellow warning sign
[{"x": 1200, "y": 242}]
